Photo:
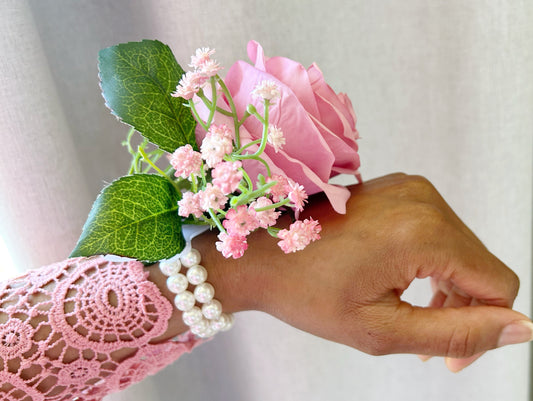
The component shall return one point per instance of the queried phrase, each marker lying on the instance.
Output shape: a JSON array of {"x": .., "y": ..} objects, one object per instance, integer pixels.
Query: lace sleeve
[{"x": 62, "y": 325}]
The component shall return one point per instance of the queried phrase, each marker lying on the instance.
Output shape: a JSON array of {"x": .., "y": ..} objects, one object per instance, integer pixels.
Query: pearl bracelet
[{"x": 207, "y": 319}]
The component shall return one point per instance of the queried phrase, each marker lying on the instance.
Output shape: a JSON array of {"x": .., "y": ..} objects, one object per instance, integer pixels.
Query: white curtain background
[{"x": 441, "y": 88}]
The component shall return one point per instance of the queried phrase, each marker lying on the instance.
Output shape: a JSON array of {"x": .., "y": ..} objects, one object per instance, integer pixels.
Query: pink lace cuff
[{"x": 81, "y": 311}]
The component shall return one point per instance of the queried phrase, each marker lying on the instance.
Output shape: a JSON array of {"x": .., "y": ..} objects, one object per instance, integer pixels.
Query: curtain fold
[
  {"x": 440, "y": 88},
  {"x": 44, "y": 200}
]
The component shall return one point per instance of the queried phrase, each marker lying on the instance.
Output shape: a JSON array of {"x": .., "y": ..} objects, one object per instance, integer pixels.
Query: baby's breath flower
[
  {"x": 240, "y": 221},
  {"x": 297, "y": 195},
  {"x": 227, "y": 176},
  {"x": 201, "y": 56},
  {"x": 280, "y": 189},
  {"x": 190, "y": 83},
  {"x": 275, "y": 137},
  {"x": 266, "y": 90},
  {"x": 190, "y": 204},
  {"x": 212, "y": 197},
  {"x": 231, "y": 245},
  {"x": 299, "y": 235},
  {"x": 186, "y": 161},
  {"x": 216, "y": 144},
  {"x": 210, "y": 68},
  {"x": 266, "y": 218}
]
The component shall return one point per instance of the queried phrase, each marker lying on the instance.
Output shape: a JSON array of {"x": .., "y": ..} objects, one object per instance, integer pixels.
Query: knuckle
[
  {"x": 399, "y": 175},
  {"x": 376, "y": 344},
  {"x": 365, "y": 330},
  {"x": 461, "y": 344},
  {"x": 514, "y": 285},
  {"x": 416, "y": 220},
  {"x": 414, "y": 186}
]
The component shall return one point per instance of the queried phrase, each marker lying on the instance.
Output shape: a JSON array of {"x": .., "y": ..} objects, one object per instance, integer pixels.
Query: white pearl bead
[
  {"x": 168, "y": 268},
  {"x": 177, "y": 283},
  {"x": 222, "y": 321},
  {"x": 191, "y": 259},
  {"x": 212, "y": 310},
  {"x": 192, "y": 316},
  {"x": 184, "y": 301},
  {"x": 200, "y": 327},
  {"x": 204, "y": 293},
  {"x": 209, "y": 332},
  {"x": 229, "y": 323},
  {"x": 197, "y": 274}
]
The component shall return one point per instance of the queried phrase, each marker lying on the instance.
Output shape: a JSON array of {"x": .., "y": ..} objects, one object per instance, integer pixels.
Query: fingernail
[
  {"x": 516, "y": 333},
  {"x": 424, "y": 358}
]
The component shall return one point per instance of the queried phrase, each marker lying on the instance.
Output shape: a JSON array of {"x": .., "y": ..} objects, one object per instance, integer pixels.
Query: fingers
[
  {"x": 476, "y": 274},
  {"x": 461, "y": 269},
  {"x": 448, "y": 296},
  {"x": 456, "y": 332},
  {"x": 457, "y": 364}
]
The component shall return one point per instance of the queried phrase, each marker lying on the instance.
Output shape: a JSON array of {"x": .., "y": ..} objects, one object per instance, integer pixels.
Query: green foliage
[
  {"x": 137, "y": 79},
  {"x": 135, "y": 216}
]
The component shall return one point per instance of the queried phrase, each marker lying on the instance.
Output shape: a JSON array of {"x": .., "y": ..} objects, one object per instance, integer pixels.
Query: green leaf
[
  {"x": 137, "y": 79},
  {"x": 135, "y": 216}
]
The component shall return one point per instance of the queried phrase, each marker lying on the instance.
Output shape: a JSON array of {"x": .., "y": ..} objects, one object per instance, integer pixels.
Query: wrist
[{"x": 239, "y": 284}]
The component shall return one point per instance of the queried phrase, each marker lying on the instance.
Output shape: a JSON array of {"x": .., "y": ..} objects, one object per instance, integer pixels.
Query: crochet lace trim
[{"x": 84, "y": 310}]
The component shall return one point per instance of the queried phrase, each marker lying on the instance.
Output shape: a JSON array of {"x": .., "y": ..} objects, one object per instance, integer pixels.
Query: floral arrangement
[{"x": 241, "y": 150}]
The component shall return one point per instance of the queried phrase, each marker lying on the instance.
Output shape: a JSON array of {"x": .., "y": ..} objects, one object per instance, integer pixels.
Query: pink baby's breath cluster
[
  {"x": 219, "y": 191},
  {"x": 299, "y": 235},
  {"x": 227, "y": 176},
  {"x": 216, "y": 144},
  {"x": 203, "y": 69},
  {"x": 186, "y": 162}
]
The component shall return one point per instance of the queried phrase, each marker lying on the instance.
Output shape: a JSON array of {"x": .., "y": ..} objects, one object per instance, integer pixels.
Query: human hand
[{"x": 347, "y": 287}]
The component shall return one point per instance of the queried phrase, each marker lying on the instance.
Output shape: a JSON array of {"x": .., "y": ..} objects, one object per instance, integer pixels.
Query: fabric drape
[{"x": 440, "y": 88}]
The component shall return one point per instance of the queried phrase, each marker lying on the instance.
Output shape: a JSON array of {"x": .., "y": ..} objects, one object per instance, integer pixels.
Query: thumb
[{"x": 458, "y": 332}]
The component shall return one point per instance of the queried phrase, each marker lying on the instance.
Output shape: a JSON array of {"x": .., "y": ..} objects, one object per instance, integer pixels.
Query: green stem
[
  {"x": 274, "y": 205},
  {"x": 204, "y": 178},
  {"x": 254, "y": 194},
  {"x": 194, "y": 184},
  {"x": 273, "y": 231},
  {"x": 147, "y": 160},
  {"x": 257, "y": 141},
  {"x": 127, "y": 142},
  {"x": 247, "y": 179},
  {"x": 209, "y": 104},
  {"x": 195, "y": 221},
  {"x": 197, "y": 116},
  {"x": 244, "y": 117},
  {"x": 251, "y": 110},
  {"x": 213, "y": 101},
  {"x": 216, "y": 220},
  {"x": 233, "y": 111},
  {"x": 254, "y": 157},
  {"x": 225, "y": 112},
  {"x": 156, "y": 156},
  {"x": 264, "y": 138}
]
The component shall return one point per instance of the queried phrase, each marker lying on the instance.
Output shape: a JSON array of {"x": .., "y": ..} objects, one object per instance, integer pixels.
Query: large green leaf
[
  {"x": 137, "y": 79},
  {"x": 135, "y": 216}
]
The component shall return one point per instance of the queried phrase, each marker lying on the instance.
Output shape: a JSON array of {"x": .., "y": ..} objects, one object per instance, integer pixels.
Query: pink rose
[{"x": 318, "y": 124}]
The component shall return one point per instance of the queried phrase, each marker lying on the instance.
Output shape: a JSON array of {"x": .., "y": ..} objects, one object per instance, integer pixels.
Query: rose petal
[
  {"x": 300, "y": 173},
  {"x": 302, "y": 136}
]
